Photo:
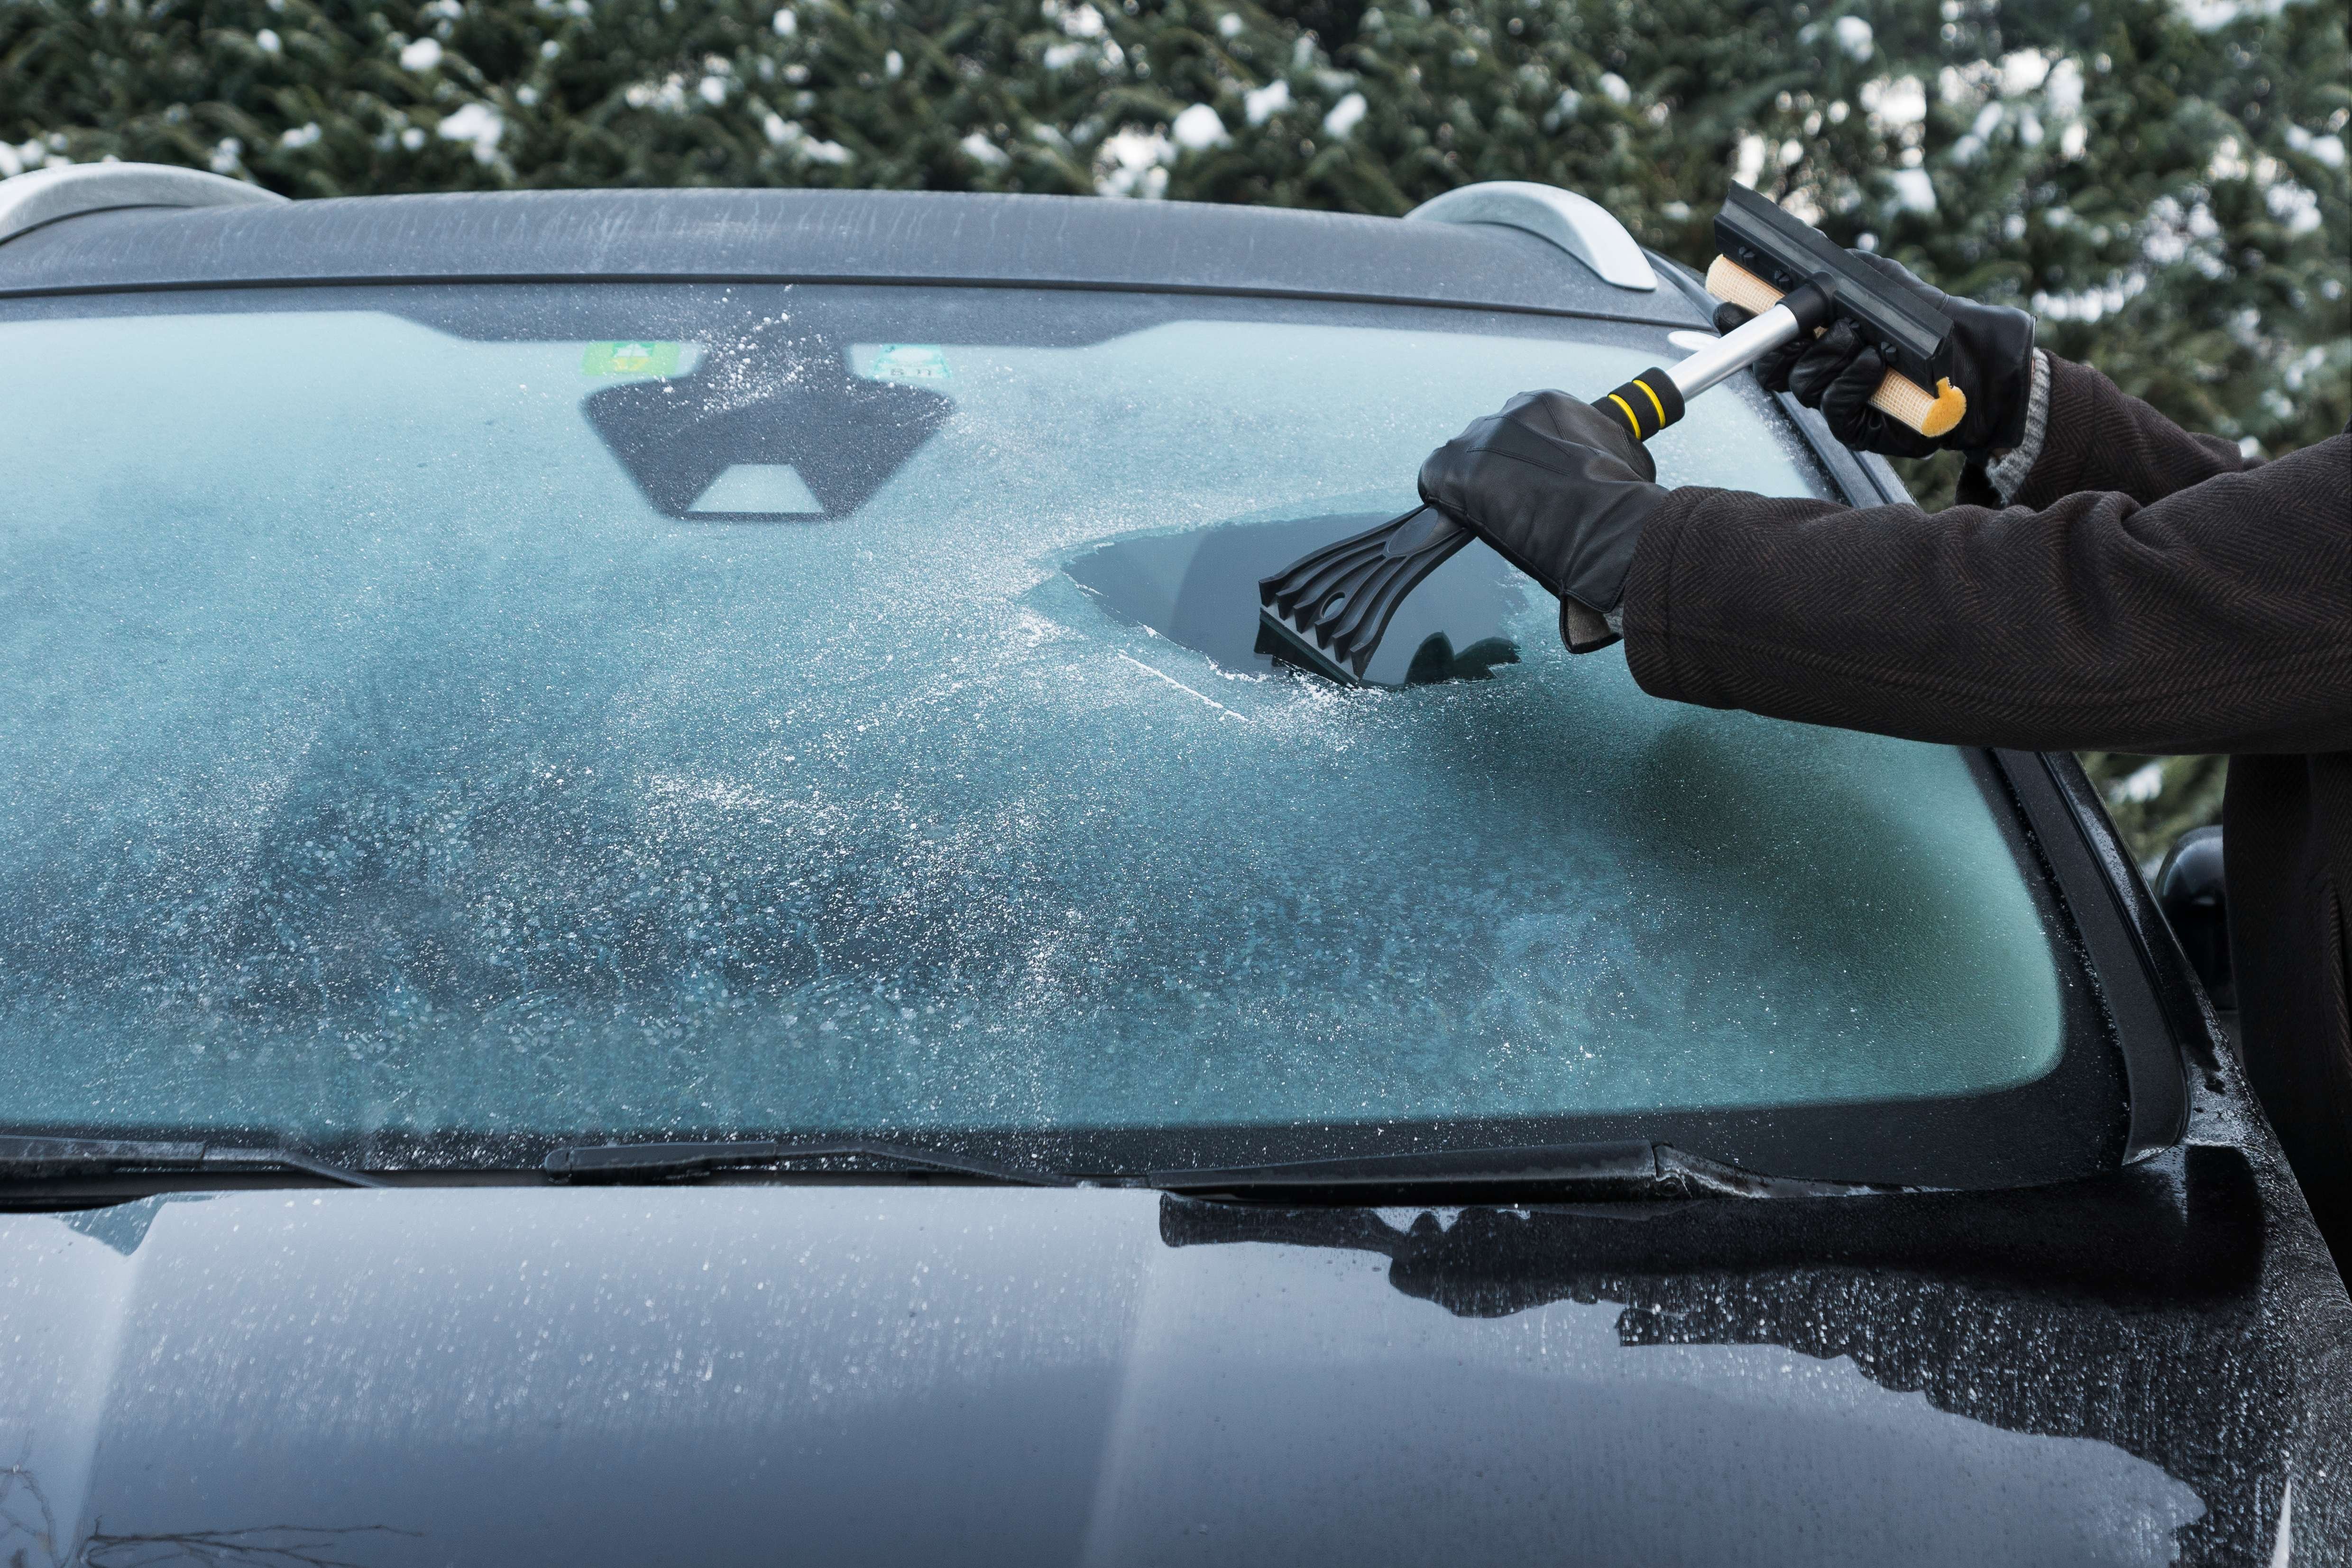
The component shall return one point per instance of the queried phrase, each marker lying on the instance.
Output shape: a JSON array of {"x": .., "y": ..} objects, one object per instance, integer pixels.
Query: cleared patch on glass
[
  {"x": 757, "y": 490},
  {"x": 1200, "y": 589},
  {"x": 919, "y": 362}
]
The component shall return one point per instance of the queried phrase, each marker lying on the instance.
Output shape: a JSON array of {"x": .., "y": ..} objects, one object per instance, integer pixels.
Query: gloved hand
[
  {"x": 1992, "y": 364},
  {"x": 1560, "y": 489}
]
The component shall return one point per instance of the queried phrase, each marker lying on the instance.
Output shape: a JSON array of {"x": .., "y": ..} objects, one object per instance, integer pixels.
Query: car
[{"x": 664, "y": 907}]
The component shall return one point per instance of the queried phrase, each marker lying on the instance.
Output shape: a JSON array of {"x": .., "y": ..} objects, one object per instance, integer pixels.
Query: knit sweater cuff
[{"x": 2007, "y": 473}]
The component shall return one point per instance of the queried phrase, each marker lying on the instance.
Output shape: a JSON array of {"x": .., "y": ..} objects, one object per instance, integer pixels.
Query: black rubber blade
[
  {"x": 1333, "y": 606},
  {"x": 1282, "y": 642}
]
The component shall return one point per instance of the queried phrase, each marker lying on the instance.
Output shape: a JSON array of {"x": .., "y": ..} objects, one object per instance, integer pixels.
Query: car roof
[{"x": 800, "y": 235}]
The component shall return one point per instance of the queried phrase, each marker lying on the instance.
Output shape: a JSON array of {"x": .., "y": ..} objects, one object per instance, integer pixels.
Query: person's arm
[
  {"x": 2216, "y": 618},
  {"x": 2083, "y": 433},
  {"x": 2036, "y": 428}
]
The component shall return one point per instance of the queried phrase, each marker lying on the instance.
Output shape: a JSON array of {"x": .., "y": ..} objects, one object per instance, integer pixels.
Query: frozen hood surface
[{"x": 948, "y": 1376}]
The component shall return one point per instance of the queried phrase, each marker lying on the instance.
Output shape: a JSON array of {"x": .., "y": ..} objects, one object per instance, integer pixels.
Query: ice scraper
[{"x": 1330, "y": 608}]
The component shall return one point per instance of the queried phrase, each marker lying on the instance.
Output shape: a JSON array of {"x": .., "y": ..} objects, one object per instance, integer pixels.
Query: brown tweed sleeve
[
  {"x": 2098, "y": 437},
  {"x": 2216, "y": 618}
]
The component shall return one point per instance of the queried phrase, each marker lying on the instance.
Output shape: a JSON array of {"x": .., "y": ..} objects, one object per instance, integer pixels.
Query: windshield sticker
[
  {"x": 636, "y": 359},
  {"x": 908, "y": 362}
]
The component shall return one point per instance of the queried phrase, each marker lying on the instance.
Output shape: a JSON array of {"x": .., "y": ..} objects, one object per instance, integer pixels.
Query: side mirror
[{"x": 2190, "y": 893}]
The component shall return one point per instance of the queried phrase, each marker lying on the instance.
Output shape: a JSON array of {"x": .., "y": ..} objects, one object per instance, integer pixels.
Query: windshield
[{"x": 446, "y": 714}]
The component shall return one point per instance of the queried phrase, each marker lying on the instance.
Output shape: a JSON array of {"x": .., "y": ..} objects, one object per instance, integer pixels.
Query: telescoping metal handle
[{"x": 1655, "y": 399}]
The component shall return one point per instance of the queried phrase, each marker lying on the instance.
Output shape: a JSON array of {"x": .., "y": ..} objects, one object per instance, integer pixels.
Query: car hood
[{"x": 945, "y": 1375}]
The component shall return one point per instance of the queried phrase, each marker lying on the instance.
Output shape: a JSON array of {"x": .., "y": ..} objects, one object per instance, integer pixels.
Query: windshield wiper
[
  {"x": 1629, "y": 1169},
  {"x": 659, "y": 1161},
  {"x": 37, "y": 1159}
]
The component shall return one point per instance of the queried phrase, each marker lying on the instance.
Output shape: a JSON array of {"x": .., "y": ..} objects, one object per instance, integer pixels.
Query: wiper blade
[
  {"x": 1631, "y": 1169},
  {"x": 659, "y": 1161},
  {"x": 38, "y": 1158}
]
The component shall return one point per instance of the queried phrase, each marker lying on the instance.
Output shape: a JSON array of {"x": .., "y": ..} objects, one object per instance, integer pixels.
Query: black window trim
[{"x": 2144, "y": 980}]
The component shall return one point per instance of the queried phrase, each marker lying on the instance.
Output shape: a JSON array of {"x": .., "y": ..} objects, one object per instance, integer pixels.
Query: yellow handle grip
[{"x": 1898, "y": 397}]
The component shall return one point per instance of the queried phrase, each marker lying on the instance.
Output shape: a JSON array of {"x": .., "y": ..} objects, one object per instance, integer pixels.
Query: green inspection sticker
[
  {"x": 638, "y": 359},
  {"x": 908, "y": 363}
]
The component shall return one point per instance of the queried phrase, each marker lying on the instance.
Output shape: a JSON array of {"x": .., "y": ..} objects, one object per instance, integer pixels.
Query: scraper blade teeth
[
  {"x": 1303, "y": 578},
  {"x": 1279, "y": 638},
  {"x": 1309, "y": 584},
  {"x": 1372, "y": 597},
  {"x": 1330, "y": 609},
  {"x": 1335, "y": 603}
]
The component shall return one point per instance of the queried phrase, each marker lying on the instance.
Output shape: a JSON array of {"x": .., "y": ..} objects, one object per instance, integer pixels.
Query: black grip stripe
[{"x": 1649, "y": 403}]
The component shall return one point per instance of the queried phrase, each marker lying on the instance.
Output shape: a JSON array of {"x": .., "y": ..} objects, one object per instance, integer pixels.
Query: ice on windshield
[{"x": 385, "y": 749}]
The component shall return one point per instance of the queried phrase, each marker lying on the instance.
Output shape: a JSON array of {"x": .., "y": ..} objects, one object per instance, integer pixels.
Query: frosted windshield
[{"x": 745, "y": 728}]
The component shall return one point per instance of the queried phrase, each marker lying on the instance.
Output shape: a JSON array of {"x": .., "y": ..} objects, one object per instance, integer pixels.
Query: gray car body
[{"x": 2145, "y": 1367}]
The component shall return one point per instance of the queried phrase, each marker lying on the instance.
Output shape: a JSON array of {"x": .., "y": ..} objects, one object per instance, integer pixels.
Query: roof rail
[
  {"x": 1585, "y": 229},
  {"x": 44, "y": 195}
]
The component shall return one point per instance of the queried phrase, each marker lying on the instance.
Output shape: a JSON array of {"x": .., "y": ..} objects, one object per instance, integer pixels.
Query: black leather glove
[
  {"x": 1992, "y": 364},
  {"x": 1559, "y": 488}
]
